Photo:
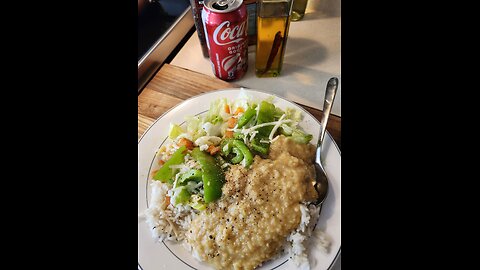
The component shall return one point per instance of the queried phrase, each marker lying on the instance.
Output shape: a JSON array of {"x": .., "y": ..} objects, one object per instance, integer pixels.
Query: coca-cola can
[{"x": 226, "y": 33}]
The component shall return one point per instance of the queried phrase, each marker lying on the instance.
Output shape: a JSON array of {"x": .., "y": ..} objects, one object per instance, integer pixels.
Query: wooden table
[{"x": 172, "y": 85}]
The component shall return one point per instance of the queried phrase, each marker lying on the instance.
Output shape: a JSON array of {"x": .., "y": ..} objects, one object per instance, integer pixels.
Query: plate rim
[{"x": 253, "y": 90}]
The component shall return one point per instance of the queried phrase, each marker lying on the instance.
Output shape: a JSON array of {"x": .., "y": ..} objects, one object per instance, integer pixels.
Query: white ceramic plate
[{"x": 154, "y": 255}]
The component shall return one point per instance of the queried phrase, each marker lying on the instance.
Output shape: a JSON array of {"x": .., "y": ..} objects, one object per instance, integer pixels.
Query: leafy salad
[{"x": 231, "y": 132}]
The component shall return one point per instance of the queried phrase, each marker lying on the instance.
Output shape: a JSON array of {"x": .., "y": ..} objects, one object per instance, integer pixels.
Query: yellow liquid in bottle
[
  {"x": 268, "y": 27},
  {"x": 298, "y": 9}
]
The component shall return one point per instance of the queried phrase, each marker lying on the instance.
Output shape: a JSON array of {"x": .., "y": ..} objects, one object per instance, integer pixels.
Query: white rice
[
  {"x": 298, "y": 240},
  {"x": 166, "y": 221}
]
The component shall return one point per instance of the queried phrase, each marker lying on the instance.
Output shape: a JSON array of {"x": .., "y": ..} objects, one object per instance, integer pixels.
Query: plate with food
[{"x": 225, "y": 181}]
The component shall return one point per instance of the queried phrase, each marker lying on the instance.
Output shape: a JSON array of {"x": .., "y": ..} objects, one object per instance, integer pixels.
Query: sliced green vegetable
[
  {"x": 286, "y": 130},
  {"x": 247, "y": 155},
  {"x": 220, "y": 160},
  {"x": 238, "y": 156},
  {"x": 278, "y": 113},
  {"x": 226, "y": 146},
  {"x": 246, "y": 117},
  {"x": 213, "y": 176},
  {"x": 260, "y": 147},
  {"x": 301, "y": 137},
  {"x": 266, "y": 114},
  {"x": 181, "y": 196},
  {"x": 166, "y": 174},
  {"x": 199, "y": 206},
  {"x": 238, "y": 135},
  {"x": 196, "y": 202},
  {"x": 191, "y": 175}
]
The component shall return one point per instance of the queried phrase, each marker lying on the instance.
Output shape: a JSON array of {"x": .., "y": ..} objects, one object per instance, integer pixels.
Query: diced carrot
[
  {"x": 227, "y": 108},
  {"x": 167, "y": 200},
  {"x": 232, "y": 122},
  {"x": 161, "y": 162},
  {"x": 186, "y": 142},
  {"x": 239, "y": 111},
  {"x": 228, "y": 134},
  {"x": 213, "y": 149}
]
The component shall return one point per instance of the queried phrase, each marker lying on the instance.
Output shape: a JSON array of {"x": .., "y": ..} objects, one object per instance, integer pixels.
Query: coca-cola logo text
[{"x": 223, "y": 33}]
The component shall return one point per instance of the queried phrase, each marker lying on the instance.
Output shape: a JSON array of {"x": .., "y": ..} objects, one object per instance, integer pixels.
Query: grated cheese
[
  {"x": 252, "y": 130},
  {"x": 276, "y": 138},
  {"x": 274, "y": 129}
]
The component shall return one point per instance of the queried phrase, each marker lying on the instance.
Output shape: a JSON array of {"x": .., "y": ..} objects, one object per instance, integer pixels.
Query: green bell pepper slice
[
  {"x": 226, "y": 147},
  {"x": 166, "y": 174},
  {"x": 213, "y": 176},
  {"x": 199, "y": 206},
  {"x": 238, "y": 156},
  {"x": 260, "y": 147},
  {"x": 246, "y": 116},
  {"x": 182, "y": 197},
  {"x": 247, "y": 155},
  {"x": 266, "y": 114},
  {"x": 191, "y": 175}
]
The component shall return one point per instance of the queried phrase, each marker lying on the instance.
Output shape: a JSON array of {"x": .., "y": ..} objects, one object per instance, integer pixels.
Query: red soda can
[{"x": 226, "y": 33}]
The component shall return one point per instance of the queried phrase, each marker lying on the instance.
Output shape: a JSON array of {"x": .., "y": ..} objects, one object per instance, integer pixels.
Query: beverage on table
[
  {"x": 252, "y": 21},
  {"x": 273, "y": 22},
  {"x": 298, "y": 9},
  {"x": 226, "y": 33},
  {"x": 197, "y": 6}
]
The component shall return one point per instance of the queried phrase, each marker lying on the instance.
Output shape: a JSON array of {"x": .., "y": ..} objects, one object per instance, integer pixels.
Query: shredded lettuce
[
  {"x": 243, "y": 100},
  {"x": 301, "y": 137},
  {"x": 295, "y": 115},
  {"x": 270, "y": 99},
  {"x": 292, "y": 129},
  {"x": 216, "y": 113},
  {"x": 213, "y": 130},
  {"x": 194, "y": 127},
  {"x": 278, "y": 113},
  {"x": 174, "y": 131}
]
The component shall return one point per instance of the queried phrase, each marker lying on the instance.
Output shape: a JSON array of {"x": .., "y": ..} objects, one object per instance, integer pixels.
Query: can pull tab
[{"x": 222, "y": 4}]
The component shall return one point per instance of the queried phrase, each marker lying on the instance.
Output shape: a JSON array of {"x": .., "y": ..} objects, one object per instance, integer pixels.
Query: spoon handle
[{"x": 330, "y": 92}]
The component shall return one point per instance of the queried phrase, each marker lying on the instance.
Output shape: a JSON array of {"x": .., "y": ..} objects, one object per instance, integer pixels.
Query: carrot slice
[
  {"x": 239, "y": 111},
  {"x": 232, "y": 122},
  {"x": 213, "y": 149},
  {"x": 167, "y": 200},
  {"x": 186, "y": 142},
  {"x": 227, "y": 108},
  {"x": 228, "y": 134}
]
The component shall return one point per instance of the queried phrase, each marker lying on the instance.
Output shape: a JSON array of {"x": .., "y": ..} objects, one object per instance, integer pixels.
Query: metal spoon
[{"x": 321, "y": 184}]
